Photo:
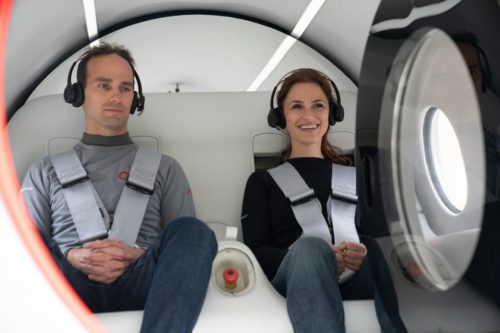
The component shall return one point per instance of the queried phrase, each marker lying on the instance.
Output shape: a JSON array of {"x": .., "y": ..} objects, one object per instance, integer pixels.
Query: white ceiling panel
[
  {"x": 40, "y": 32},
  {"x": 281, "y": 13},
  {"x": 202, "y": 53}
]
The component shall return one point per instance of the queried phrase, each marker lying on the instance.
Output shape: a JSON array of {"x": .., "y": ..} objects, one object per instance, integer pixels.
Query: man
[{"x": 165, "y": 266}]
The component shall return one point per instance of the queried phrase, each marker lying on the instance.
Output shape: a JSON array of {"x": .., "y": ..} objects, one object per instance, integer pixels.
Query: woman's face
[{"x": 306, "y": 112}]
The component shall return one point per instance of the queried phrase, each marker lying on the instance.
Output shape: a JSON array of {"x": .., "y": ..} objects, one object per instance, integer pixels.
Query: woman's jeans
[{"x": 307, "y": 278}]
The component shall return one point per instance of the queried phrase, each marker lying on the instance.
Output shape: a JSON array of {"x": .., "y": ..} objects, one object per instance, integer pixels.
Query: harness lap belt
[
  {"x": 89, "y": 215},
  {"x": 307, "y": 208}
]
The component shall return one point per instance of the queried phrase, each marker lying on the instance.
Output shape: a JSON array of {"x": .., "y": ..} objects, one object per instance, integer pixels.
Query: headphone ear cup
[
  {"x": 276, "y": 118},
  {"x": 339, "y": 114},
  {"x": 272, "y": 118},
  {"x": 69, "y": 94},
  {"x": 74, "y": 93},
  {"x": 78, "y": 94},
  {"x": 336, "y": 114},
  {"x": 135, "y": 103},
  {"x": 332, "y": 118},
  {"x": 281, "y": 118},
  {"x": 141, "y": 102}
]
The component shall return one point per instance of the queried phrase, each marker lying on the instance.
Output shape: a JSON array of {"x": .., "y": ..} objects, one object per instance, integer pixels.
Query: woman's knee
[
  {"x": 310, "y": 261},
  {"x": 310, "y": 246},
  {"x": 311, "y": 251}
]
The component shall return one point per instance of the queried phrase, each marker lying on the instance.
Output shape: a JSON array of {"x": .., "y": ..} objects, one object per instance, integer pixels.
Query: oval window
[{"x": 444, "y": 160}]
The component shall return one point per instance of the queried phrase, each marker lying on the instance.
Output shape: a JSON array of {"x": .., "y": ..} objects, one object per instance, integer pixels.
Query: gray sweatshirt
[{"x": 107, "y": 161}]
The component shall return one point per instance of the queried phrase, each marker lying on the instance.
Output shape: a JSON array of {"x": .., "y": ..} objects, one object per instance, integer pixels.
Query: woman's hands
[
  {"x": 339, "y": 257},
  {"x": 349, "y": 255},
  {"x": 354, "y": 253}
]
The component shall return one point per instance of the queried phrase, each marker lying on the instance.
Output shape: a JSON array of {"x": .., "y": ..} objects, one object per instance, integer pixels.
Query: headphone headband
[{"x": 71, "y": 71}]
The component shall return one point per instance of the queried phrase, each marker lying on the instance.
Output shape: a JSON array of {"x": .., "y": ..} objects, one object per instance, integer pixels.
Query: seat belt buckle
[
  {"x": 346, "y": 197},
  {"x": 75, "y": 182},
  {"x": 139, "y": 188},
  {"x": 301, "y": 198}
]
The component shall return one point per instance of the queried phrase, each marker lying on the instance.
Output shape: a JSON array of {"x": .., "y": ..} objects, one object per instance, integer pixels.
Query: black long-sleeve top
[{"x": 269, "y": 225}]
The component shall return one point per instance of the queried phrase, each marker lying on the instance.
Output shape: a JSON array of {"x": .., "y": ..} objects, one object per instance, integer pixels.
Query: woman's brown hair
[{"x": 308, "y": 75}]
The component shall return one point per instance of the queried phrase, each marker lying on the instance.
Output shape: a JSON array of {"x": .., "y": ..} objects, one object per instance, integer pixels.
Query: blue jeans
[
  {"x": 169, "y": 281},
  {"x": 307, "y": 278}
]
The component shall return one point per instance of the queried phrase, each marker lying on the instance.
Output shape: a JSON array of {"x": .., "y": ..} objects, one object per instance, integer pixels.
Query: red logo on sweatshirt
[{"x": 123, "y": 175}]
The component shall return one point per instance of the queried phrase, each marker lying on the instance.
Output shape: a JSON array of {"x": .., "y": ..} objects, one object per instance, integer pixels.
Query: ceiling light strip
[
  {"x": 302, "y": 24},
  {"x": 91, "y": 21},
  {"x": 278, "y": 55},
  {"x": 307, "y": 17}
]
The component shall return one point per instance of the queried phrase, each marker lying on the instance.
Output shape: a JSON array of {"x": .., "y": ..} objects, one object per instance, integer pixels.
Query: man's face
[
  {"x": 108, "y": 95},
  {"x": 470, "y": 55}
]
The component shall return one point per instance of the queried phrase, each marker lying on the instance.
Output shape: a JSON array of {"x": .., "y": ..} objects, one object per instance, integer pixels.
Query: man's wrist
[{"x": 67, "y": 253}]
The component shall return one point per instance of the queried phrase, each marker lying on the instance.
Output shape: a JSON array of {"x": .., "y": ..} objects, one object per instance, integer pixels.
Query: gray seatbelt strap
[
  {"x": 100, "y": 204},
  {"x": 135, "y": 197},
  {"x": 306, "y": 207},
  {"x": 343, "y": 205},
  {"x": 87, "y": 210},
  {"x": 80, "y": 196}
]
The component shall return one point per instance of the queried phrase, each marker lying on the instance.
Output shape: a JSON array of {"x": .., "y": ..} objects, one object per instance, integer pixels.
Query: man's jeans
[
  {"x": 307, "y": 278},
  {"x": 169, "y": 281}
]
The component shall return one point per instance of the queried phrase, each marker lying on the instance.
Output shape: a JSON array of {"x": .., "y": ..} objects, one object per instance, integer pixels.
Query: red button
[{"x": 230, "y": 276}]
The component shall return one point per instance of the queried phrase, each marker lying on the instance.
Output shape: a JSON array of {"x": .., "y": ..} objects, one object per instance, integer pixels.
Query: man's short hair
[{"x": 102, "y": 49}]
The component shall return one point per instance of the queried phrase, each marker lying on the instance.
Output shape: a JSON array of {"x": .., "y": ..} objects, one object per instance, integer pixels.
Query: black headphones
[
  {"x": 276, "y": 117},
  {"x": 74, "y": 92}
]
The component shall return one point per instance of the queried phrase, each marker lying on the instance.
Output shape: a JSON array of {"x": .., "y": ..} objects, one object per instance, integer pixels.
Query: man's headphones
[
  {"x": 276, "y": 116},
  {"x": 74, "y": 92}
]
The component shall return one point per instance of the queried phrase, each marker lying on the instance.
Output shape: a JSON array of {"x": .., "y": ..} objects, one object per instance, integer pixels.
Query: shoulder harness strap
[
  {"x": 306, "y": 207},
  {"x": 135, "y": 196},
  {"x": 87, "y": 210},
  {"x": 343, "y": 204},
  {"x": 80, "y": 196}
]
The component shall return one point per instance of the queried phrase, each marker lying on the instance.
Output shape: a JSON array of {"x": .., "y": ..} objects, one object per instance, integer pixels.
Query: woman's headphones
[
  {"x": 276, "y": 117},
  {"x": 74, "y": 92}
]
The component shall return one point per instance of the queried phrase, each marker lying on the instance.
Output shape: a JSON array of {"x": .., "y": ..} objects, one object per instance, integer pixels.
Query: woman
[{"x": 305, "y": 269}]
